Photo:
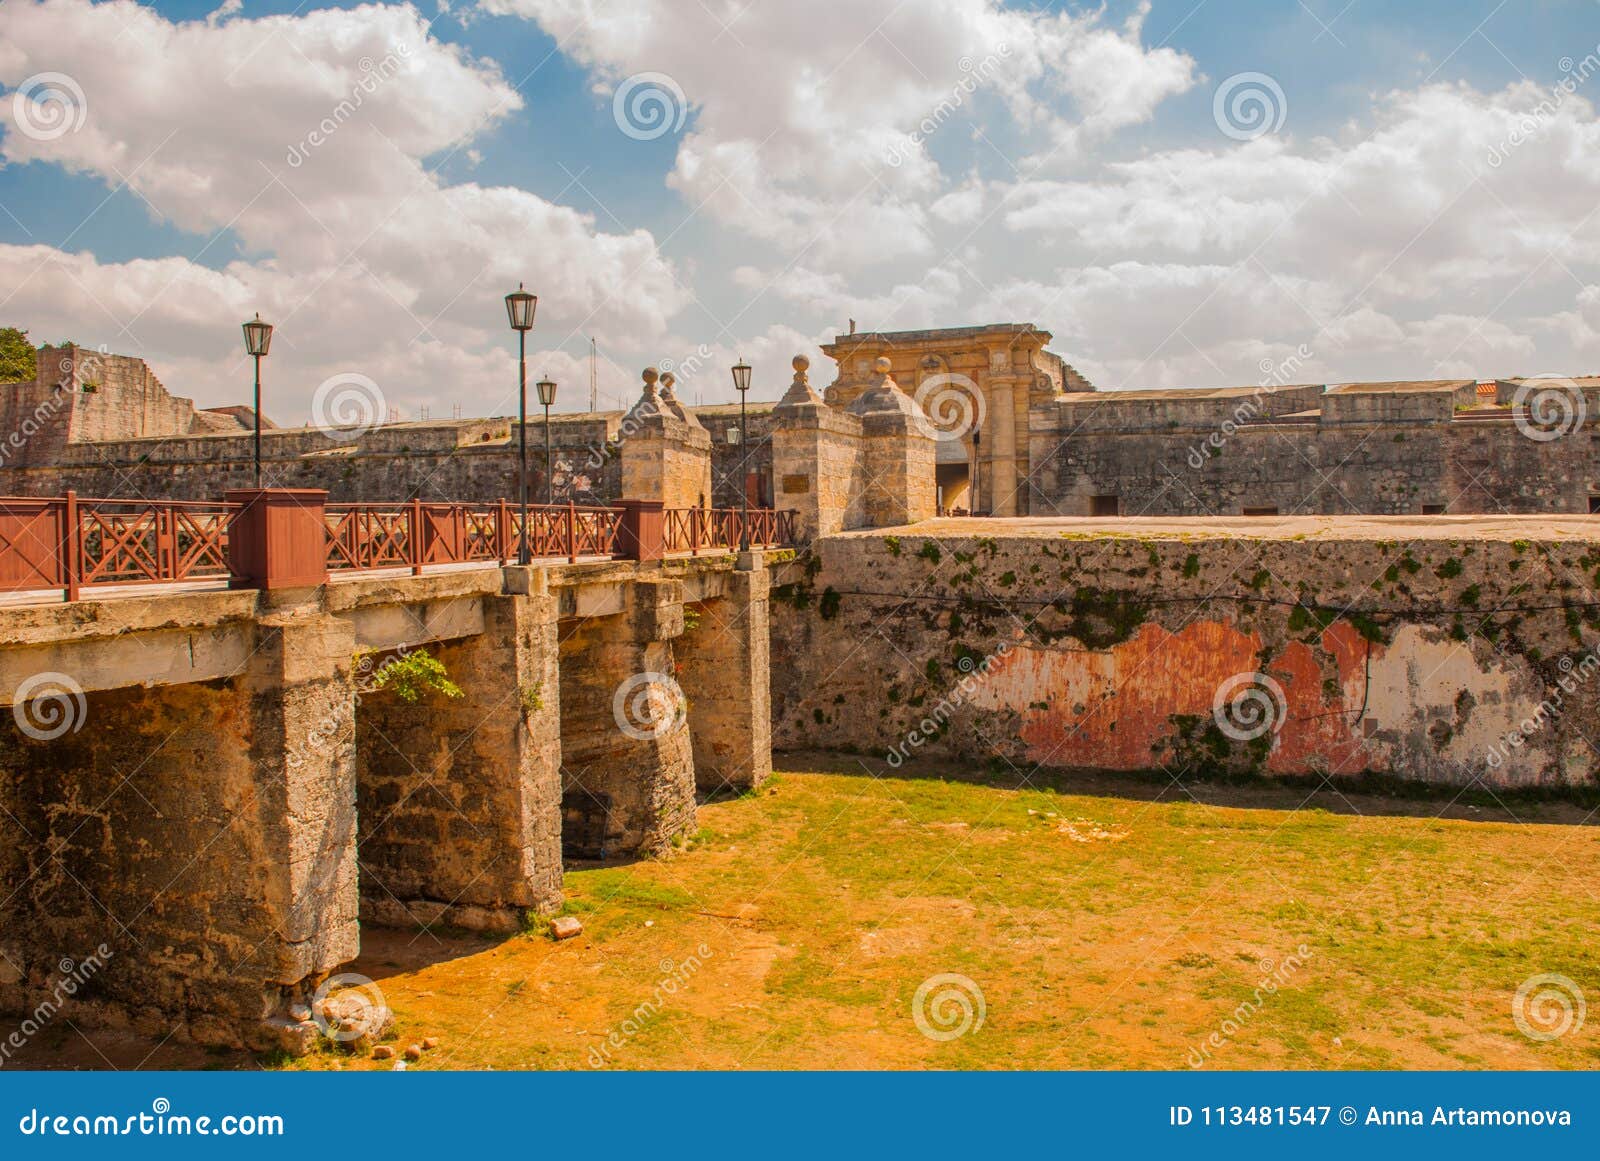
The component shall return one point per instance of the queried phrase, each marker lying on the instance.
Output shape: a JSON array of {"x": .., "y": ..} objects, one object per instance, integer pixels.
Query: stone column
[
  {"x": 666, "y": 452},
  {"x": 627, "y": 764},
  {"x": 724, "y": 672},
  {"x": 460, "y": 798},
  {"x": 1000, "y": 479},
  {"x": 816, "y": 459},
  {"x": 302, "y": 756},
  {"x": 899, "y": 457}
]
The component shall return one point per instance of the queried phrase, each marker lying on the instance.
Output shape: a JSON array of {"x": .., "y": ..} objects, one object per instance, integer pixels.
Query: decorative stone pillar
[
  {"x": 666, "y": 453},
  {"x": 1000, "y": 478},
  {"x": 816, "y": 459},
  {"x": 899, "y": 457}
]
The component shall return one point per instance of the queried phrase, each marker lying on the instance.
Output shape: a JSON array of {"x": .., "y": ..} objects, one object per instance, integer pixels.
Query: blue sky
[{"x": 1085, "y": 183}]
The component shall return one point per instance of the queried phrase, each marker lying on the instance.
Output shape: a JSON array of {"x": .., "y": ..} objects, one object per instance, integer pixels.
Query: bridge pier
[
  {"x": 723, "y": 670},
  {"x": 627, "y": 766},
  {"x": 459, "y": 799},
  {"x": 201, "y": 834}
]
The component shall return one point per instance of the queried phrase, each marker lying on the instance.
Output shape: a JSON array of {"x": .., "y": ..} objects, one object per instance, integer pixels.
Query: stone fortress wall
[{"x": 1017, "y": 432}]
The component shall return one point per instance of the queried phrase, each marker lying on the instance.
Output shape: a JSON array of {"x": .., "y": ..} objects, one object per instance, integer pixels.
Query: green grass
[{"x": 1102, "y": 928}]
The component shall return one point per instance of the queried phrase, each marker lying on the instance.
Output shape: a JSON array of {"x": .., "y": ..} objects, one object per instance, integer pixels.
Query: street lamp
[
  {"x": 741, "y": 384},
  {"x": 520, "y": 306},
  {"x": 547, "y": 396},
  {"x": 257, "y": 341}
]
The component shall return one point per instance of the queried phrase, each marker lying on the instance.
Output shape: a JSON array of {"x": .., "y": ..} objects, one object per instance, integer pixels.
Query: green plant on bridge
[{"x": 411, "y": 675}]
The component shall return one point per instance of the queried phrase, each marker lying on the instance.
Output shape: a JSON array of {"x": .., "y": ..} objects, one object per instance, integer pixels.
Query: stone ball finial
[
  {"x": 800, "y": 363},
  {"x": 650, "y": 375},
  {"x": 881, "y": 365},
  {"x": 667, "y": 380}
]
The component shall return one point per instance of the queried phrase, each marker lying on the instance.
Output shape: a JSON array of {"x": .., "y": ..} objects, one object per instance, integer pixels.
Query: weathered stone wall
[
  {"x": 625, "y": 744},
  {"x": 1391, "y": 468},
  {"x": 1415, "y": 657},
  {"x": 724, "y": 672},
  {"x": 175, "y": 826},
  {"x": 459, "y": 798}
]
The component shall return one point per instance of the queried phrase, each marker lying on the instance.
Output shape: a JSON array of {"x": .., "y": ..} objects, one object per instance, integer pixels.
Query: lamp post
[
  {"x": 520, "y": 306},
  {"x": 257, "y": 340},
  {"x": 741, "y": 384},
  {"x": 547, "y": 396}
]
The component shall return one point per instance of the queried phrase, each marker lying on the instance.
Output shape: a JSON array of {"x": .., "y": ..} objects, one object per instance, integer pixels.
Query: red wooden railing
[
  {"x": 695, "y": 530},
  {"x": 367, "y": 536},
  {"x": 68, "y": 542}
]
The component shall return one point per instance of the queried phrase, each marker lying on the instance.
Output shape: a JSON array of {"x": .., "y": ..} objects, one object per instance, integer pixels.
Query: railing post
[
  {"x": 72, "y": 545},
  {"x": 502, "y": 532},
  {"x": 572, "y": 533},
  {"x": 414, "y": 537},
  {"x": 641, "y": 533},
  {"x": 277, "y": 538},
  {"x": 166, "y": 542}
]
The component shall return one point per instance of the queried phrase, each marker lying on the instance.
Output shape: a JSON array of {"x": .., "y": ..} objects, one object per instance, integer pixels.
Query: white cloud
[
  {"x": 811, "y": 122},
  {"x": 306, "y": 137}
]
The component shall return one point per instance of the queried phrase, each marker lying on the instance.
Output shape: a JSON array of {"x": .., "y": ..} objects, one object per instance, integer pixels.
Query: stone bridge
[{"x": 221, "y": 787}]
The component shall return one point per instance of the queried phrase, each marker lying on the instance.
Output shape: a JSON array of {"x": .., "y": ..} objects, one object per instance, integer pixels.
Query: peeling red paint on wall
[{"x": 1113, "y": 708}]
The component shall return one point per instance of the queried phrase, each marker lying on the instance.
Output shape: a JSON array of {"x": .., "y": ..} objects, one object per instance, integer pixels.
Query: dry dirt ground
[{"x": 1094, "y": 924}]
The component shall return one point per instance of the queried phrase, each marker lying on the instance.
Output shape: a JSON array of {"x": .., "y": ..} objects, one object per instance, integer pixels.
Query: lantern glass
[
  {"x": 520, "y": 306},
  {"x": 741, "y": 376},
  {"x": 547, "y": 392},
  {"x": 257, "y": 336}
]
